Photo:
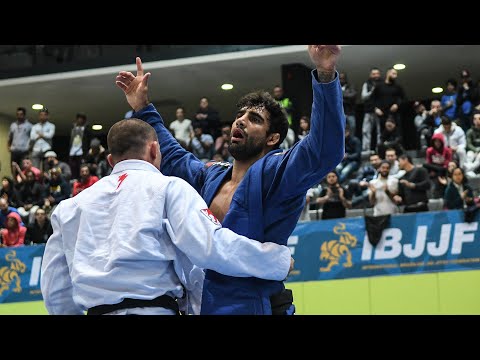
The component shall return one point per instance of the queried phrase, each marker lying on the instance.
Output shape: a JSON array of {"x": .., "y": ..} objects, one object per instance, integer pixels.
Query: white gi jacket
[{"x": 136, "y": 234}]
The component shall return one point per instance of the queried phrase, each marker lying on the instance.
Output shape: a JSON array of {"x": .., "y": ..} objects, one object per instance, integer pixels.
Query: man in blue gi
[{"x": 262, "y": 194}]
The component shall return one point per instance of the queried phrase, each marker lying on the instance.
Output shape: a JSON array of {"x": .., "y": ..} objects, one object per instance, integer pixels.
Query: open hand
[{"x": 134, "y": 87}]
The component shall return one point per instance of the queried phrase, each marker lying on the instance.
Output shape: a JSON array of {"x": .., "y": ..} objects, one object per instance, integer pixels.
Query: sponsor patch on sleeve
[{"x": 210, "y": 216}]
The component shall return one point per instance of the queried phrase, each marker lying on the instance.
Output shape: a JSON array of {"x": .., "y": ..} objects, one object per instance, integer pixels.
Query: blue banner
[
  {"x": 20, "y": 273},
  {"x": 412, "y": 243}
]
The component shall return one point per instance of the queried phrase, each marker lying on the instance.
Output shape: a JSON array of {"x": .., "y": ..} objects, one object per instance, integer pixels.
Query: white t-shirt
[
  {"x": 383, "y": 204},
  {"x": 182, "y": 129}
]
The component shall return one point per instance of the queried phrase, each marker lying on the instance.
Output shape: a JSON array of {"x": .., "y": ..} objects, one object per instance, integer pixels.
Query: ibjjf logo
[
  {"x": 336, "y": 251},
  {"x": 9, "y": 274},
  {"x": 210, "y": 216}
]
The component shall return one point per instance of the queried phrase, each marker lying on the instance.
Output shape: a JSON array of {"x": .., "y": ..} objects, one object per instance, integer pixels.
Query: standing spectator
[
  {"x": 41, "y": 138},
  {"x": 467, "y": 97},
  {"x": 95, "y": 154},
  {"x": 14, "y": 233},
  {"x": 304, "y": 127},
  {"x": 334, "y": 198},
  {"x": 8, "y": 191},
  {"x": 387, "y": 98},
  {"x": 208, "y": 119},
  {"x": 40, "y": 230},
  {"x": 458, "y": 193},
  {"x": 19, "y": 137},
  {"x": 53, "y": 162},
  {"x": 352, "y": 158},
  {"x": 80, "y": 138},
  {"x": 86, "y": 180},
  {"x": 284, "y": 102},
  {"x": 432, "y": 121},
  {"x": 182, "y": 128},
  {"x": 349, "y": 101},
  {"x": 454, "y": 138},
  {"x": 413, "y": 186},
  {"x": 382, "y": 190},
  {"x": 370, "y": 120},
  {"x": 449, "y": 100},
  {"x": 4, "y": 211},
  {"x": 202, "y": 144},
  {"x": 30, "y": 197}
]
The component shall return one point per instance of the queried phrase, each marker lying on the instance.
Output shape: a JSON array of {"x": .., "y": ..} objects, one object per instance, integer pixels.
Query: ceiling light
[
  {"x": 37, "y": 106},
  {"x": 399, "y": 66},
  {"x": 437, "y": 90},
  {"x": 97, "y": 127},
  {"x": 227, "y": 87}
]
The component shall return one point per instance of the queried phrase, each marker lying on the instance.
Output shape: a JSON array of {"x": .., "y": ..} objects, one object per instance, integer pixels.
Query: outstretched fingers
[
  {"x": 121, "y": 85},
  {"x": 139, "y": 66}
]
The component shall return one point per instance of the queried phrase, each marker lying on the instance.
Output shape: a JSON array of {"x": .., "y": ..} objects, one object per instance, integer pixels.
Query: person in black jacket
[
  {"x": 352, "y": 158},
  {"x": 40, "y": 230}
]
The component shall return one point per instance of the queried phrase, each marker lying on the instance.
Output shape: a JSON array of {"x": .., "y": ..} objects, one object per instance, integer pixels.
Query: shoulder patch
[
  {"x": 208, "y": 213},
  {"x": 218, "y": 163}
]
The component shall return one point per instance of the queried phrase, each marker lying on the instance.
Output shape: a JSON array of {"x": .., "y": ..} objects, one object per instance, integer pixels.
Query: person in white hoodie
[{"x": 454, "y": 138}]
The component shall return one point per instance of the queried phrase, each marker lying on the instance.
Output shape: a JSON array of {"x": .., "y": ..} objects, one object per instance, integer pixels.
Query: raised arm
[
  {"x": 324, "y": 147},
  {"x": 200, "y": 236},
  {"x": 176, "y": 160}
]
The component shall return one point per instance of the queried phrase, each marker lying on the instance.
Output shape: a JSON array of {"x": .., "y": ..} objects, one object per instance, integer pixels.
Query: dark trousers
[{"x": 75, "y": 162}]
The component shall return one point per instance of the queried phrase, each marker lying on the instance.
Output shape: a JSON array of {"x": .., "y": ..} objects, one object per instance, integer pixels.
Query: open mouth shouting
[{"x": 237, "y": 135}]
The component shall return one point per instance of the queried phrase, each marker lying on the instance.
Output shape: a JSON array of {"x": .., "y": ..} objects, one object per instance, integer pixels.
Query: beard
[{"x": 245, "y": 151}]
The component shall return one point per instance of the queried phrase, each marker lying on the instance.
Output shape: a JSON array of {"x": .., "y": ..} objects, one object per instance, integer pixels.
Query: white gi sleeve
[
  {"x": 56, "y": 283},
  {"x": 198, "y": 234}
]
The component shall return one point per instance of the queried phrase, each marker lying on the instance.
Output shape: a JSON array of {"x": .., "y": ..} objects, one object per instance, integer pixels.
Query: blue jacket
[{"x": 268, "y": 201}]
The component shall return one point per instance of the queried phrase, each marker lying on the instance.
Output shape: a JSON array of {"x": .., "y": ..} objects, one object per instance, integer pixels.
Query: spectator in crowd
[
  {"x": 95, "y": 154},
  {"x": 312, "y": 194},
  {"x": 53, "y": 162},
  {"x": 391, "y": 157},
  {"x": 390, "y": 138},
  {"x": 284, "y": 102},
  {"x": 40, "y": 230},
  {"x": 454, "y": 138},
  {"x": 334, "y": 198},
  {"x": 458, "y": 193},
  {"x": 352, "y": 158},
  {"x": 467, "y": 97},
  {"x": 19, "y": 137},
  {"x": 182, "y": 128},
  {"x": 382, "y": 190},
  {"x": 13, "y": 235},
  {"x": 349, "y": 101},
  {"x": 202, "y": 144},
  {"x": 304, "y": 127},
  {"x": 19, "y": 175},
  {"x": 358, "y": 187},
  {"x": 289, "y": 139},
  {"x": 418, "y": 120},
  {"x": 413, "y": 186},
  {"x": 41, "y": 138},
  {"x": 30, "y": 197},
  {"x": 103, "y": 167},
  {"x": 58, "y": 189},
  {"x": 472, "y": 164},
  {"x": 8, "y": 191},
  {"x": 449, "y": 100},
  {"x": 4, "y": 211},
  {"x": 221, "y": 143},
  {"x": 387, "y": 98},
  {"x": 371, "y": 121},
  {"x": 207, "y": 118},
  {"x": 86, "y": 180},
  {"x": 432, "y": 121},
  {"x": 438, "y": 158},
  {"x": 80, "y": 138}
]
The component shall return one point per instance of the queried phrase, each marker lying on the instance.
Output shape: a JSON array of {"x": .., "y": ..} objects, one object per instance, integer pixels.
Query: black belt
[{"x": 164, "y": 301}]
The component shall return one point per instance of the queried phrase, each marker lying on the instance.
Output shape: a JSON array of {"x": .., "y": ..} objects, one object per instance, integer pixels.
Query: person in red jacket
[
  {"x": 14, "y": 234},
  {"x": 438, "y": 157},
  {"x": 86, "y": 180}
]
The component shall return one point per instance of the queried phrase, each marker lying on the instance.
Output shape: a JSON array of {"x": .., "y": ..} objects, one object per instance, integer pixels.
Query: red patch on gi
[
  {"x": 210, "y": 216},
  {"x": 120, "y": 179}
]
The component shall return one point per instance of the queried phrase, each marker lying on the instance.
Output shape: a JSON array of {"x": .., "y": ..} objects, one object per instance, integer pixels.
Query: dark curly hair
[{"x": 278, "y": 122}]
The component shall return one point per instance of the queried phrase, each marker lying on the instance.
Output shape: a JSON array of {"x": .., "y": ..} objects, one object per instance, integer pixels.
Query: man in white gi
[{"x": 128, "y": 243}]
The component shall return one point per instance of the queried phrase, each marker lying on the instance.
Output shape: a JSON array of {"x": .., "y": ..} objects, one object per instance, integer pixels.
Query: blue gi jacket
[{"x": 268, "y": 201}]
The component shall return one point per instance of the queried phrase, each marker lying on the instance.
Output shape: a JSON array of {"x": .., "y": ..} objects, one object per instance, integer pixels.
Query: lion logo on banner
[
  {"x": 334, "y": 250},
  {"x": 9, "y": 275}
]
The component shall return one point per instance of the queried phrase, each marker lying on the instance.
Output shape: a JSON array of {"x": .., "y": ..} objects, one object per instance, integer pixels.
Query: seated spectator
[
  {"x": 53, "y": 162},
  {"x": 454, "y": 138},
  {"x": 202, "y": 144},
  {"x": 104, "y": 168},
  {"x": 13, "y": 235},
  {"x": 353, "y": 154},
  {"x": 358, "y": 187},
  {"x": 304, "y": 127},
  {"x": 5, "y": 210},
  {"x": 95, "y": 154},
  {"x": 221, "y": 143},
  {"x": 458, "y": 194},
  {"x": 391, "y": 157},
  {"x": 382, "y": 190},
  {"x": 58, "y": 189},
  {"x": 432, "y": 121},
  {"x": 472, "y": 164},
  {"x": 8, "y": 191},
  {"x": 334, "y": 198},
  {"x": 86, "y": 180},
  {"x": 30, "y": 197},
  {"x": 390, "y": 138},
  {"x": 289, "y": 140},
  {"x": 40, "y": 230},
  {"x": 413, "y": 186},
  {"x": 20, "y": 175}
]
